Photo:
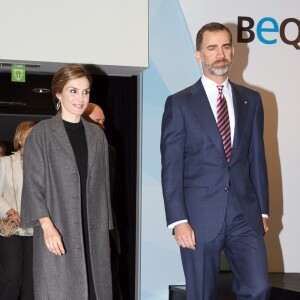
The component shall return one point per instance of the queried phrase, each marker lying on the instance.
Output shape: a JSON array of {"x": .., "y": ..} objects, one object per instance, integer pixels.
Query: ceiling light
[{"x": 41, "y": 90}]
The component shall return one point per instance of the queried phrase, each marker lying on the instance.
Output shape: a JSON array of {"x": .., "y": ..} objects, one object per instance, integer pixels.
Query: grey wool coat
[{"x": 51, "y": 189}]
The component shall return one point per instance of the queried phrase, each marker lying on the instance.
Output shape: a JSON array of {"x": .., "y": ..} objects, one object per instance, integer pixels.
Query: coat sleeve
[
  {"x": 257, "y": 160},
  {"x": 33, "y": 204},
  {"x": 172, "y": 159}
]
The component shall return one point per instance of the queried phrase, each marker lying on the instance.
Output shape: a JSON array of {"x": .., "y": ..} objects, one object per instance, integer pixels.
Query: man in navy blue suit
[{"x": 215, "y": 182}]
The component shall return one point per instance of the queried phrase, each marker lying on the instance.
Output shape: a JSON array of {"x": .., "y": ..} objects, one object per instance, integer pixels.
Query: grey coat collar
[{"x": 60, "y": 133}]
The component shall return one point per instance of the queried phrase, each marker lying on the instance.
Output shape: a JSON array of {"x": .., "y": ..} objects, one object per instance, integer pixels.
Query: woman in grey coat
[{"x": 66, "y": 197}]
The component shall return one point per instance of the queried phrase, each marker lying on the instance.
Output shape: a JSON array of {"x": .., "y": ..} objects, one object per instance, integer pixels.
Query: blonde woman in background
[{"x": 16, "y": 281}]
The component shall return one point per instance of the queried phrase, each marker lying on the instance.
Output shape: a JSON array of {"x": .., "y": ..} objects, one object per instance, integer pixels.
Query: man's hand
[
  {"x": 265, "y": 224},
  {"x": 185, "y": 236}
]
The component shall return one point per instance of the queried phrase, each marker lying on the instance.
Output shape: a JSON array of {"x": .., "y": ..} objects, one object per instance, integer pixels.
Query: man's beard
[{"x": 217, "y": 71}]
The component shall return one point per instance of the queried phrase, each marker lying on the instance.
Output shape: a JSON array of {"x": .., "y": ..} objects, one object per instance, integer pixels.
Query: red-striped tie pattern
[{"x": 223, "y": 122}]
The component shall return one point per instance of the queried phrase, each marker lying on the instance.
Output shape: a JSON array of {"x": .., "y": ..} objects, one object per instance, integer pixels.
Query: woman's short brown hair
[
  {"x": 22, "y": 127},
  {"x": 67, "y": 73}
]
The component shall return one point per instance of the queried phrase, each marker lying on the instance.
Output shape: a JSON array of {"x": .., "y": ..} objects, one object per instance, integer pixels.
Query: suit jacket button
[{"x": 226, "y": 189}]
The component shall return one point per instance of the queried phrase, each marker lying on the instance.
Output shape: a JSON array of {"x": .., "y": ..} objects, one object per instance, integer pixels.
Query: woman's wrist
[{"x": 46, "y": 222}]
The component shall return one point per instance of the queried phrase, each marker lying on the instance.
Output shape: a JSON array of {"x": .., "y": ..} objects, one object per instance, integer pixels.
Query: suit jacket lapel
[
  {"x": 241, "y": 106},
  {"x": 200, "y": 105}
]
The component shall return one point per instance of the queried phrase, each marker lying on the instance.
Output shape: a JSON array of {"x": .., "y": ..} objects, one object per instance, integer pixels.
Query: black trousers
[
  {"x": 114, "y": 259},
  {"x": 16, "y": 279}
]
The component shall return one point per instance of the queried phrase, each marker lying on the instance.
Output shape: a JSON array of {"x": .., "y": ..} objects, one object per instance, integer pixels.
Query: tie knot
[{"x": 220, "y": 88}]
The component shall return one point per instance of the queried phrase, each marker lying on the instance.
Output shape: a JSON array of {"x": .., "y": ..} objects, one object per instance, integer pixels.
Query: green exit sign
[{"x": 18, "y": 73}]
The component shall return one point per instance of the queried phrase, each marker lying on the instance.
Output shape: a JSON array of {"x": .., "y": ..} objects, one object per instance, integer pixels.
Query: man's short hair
[{"x": 214, "y": 26}]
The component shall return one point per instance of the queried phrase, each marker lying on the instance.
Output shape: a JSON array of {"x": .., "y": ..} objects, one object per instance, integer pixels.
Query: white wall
[
  {"x": 171, "y": 68},
  {"x": 112, "y": 34}
]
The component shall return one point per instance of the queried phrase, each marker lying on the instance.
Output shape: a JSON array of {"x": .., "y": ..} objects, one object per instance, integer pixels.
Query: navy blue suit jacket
[{"x": 195, "y": 173}]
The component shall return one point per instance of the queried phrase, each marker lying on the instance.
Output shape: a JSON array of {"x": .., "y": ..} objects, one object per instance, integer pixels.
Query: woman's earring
[{"x": 58, "y": 105}]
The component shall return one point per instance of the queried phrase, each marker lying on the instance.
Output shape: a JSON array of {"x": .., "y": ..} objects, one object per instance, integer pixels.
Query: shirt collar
[{"x": 210, "y": 84}]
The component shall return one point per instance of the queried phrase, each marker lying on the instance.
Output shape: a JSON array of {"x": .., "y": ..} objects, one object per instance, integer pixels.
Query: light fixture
[
  {"x": 41, "y": 90},
  {"x": 26, "y": 65}
]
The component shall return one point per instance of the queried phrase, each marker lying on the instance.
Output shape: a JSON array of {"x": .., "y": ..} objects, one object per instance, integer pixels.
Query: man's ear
[{"x": 198, "y": 56}]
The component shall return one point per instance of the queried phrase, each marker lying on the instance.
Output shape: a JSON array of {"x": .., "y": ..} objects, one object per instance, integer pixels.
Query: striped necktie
[{"x": 223, "y": 122}]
